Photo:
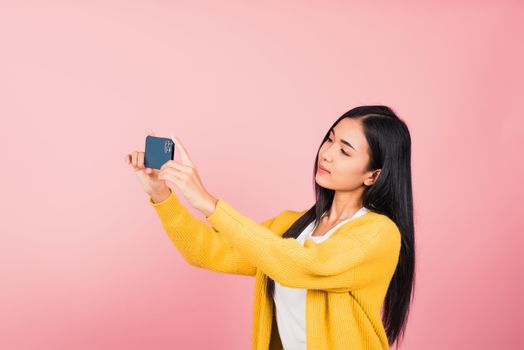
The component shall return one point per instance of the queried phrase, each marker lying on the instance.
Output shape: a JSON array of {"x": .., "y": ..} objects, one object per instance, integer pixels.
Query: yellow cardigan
[{"x": 346, "y": 276}]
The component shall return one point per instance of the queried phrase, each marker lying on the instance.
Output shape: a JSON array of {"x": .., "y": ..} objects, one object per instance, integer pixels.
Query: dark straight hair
[{"x": 390, "y": 150}]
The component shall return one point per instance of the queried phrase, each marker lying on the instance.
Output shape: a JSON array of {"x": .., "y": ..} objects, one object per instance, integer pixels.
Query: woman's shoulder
[
  {"x": 379, "y": 219},
  {"x": 375, "y": 227},
  {"x": 290, "y": 215},
  {"x": 287, "y": 215},
  {"x": 284, "y": 219}
]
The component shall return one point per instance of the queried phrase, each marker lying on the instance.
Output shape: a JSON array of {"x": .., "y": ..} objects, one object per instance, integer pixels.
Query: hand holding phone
[{"x": 158, "y": 152}]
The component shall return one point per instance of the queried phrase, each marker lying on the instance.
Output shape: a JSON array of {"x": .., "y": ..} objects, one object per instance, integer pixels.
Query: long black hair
[{"x": 390, "y": 150}]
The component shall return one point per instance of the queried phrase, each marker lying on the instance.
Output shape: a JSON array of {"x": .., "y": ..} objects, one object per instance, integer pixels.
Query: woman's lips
[{"x": 322, "y": 170}]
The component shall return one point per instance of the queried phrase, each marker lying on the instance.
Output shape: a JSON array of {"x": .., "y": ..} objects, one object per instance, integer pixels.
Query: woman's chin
[{"x": 320, "y": 179}]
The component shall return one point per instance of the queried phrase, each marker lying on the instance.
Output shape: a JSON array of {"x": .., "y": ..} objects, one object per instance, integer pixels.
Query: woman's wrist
[
  {"x": 208, "y": 206},
  {"x": 160, "y": 196}
]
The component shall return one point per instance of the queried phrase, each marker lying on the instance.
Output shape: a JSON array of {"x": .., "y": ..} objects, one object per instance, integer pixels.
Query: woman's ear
[{"x": 372, "y": 178}]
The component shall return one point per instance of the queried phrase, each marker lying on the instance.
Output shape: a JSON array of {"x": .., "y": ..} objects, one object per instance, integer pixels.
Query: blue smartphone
[{"x": 158, "y": 151}]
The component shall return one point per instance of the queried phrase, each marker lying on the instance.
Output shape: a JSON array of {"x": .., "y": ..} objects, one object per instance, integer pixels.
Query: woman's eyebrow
[{"x": 343, "y": 141}]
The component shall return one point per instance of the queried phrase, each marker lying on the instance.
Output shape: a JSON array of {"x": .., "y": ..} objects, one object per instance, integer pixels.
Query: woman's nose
[
  {"x": 327, "y": 154},
  {"x": 325, "y": 157}
]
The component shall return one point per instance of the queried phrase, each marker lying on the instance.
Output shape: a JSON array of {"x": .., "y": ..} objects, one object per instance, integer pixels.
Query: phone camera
[{"x": 167, "y": 146}]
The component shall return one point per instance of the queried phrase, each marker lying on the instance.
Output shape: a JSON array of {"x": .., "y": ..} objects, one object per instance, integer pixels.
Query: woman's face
[{"x": 346, "y": 162}]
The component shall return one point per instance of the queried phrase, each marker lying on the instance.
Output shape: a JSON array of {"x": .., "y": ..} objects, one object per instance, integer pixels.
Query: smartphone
[{"x": 158, "y": 151}]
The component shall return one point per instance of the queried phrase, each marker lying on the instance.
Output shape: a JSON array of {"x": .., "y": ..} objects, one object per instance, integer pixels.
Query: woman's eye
[{"x": 341, "y": 150}]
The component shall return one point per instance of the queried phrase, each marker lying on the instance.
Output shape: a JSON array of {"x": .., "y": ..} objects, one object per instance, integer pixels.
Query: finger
[
  {"x": 183, "y": 152},
  {"x": 127, "y": 159},
  {"x": 172, "y": 171},
  {"x": 172, "y": 177},
  {"x": 149, "y": 170},
  {"x": 140, "y": 160},
  {"x": 150, "y": 132},
  {"x": 176, "y": 165},
  {"x": 134, "y": 155}
]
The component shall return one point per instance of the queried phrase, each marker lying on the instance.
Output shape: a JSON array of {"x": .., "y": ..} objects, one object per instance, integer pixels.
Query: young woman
[{"x": 338, "y": 275}]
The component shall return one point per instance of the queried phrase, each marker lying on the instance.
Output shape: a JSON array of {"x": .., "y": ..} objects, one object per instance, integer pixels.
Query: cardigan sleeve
[
  {"x": 201, "y": 245},
  {"x": 341, "y": 263}
]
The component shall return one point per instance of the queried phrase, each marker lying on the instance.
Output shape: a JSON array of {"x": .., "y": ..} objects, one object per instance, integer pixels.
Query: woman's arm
[
  {"x": 201, "y": 245},
  {"x": 342, "y": 263}
]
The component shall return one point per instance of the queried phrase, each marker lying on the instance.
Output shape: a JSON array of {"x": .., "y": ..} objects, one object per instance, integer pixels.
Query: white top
[{"x": 290, "y": 303}]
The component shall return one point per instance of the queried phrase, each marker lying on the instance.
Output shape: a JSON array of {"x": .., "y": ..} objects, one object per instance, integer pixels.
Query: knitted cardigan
[{"x": 346, "y": 276}]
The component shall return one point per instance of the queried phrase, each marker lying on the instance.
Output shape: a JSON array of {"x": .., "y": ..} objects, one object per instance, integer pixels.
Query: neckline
[
  {"x": 340, "y": 224},
  {"x": 346, "y": 225},
  {"x": 364, "y": 209}
]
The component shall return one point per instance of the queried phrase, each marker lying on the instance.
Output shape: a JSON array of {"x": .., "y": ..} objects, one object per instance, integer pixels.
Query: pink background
[{"x": 250, "y": 90}]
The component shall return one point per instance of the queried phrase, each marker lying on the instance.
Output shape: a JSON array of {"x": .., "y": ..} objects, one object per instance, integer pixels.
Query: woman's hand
[
  {"x": 148, "y": 177},
  {"x": 185, "y": 176}
]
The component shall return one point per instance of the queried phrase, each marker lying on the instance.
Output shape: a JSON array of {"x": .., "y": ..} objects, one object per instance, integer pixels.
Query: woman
[{"x": 338, "y": 275}]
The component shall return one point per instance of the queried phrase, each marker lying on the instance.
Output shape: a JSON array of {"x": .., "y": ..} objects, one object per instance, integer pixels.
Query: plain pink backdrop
[{"x": 250, "y": 90}]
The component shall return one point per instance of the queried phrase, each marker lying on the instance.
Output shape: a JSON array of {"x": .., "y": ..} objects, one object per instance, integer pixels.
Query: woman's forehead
[{"x": 350, "y": 130}]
